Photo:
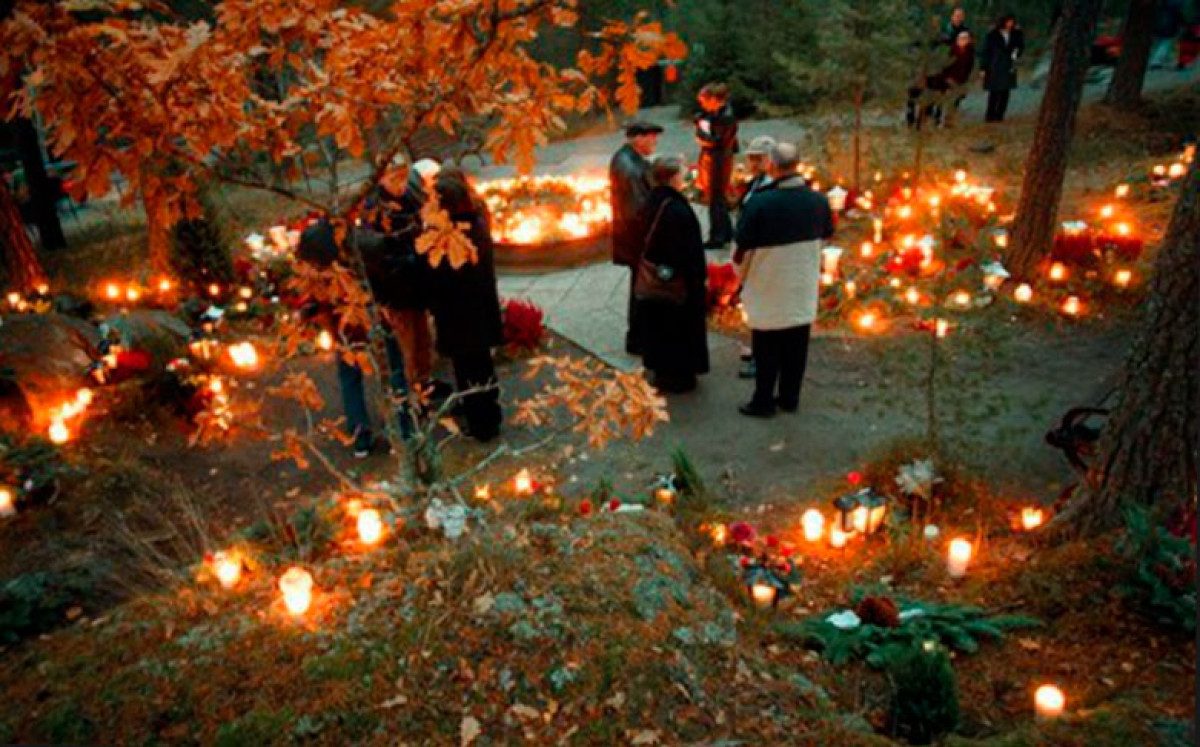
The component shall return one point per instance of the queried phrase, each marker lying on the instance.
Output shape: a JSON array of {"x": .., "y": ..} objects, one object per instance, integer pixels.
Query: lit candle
[
  {"x": 14, "y": 298},
  {"x": 904, "y": 212},
  {"x": 59, "y": 433},
  {"x": 1049, "y": 702},
  {"x": 1031, "y": 518},
  {"x": 1123, "y": 229},
  {"x": 826, "y": 278},
  {"x": 1058, "y": 272},
  {"x": 829, "y": 259},
  {"x": 246, "y": 292},
  {"x": 960, "y": 176},
  {"x": 958, "y": 558},
  {"x": 1106, "y": 211},
  {"x": 164, "y": 285},
  {"x": 226, "y": 568},
  {"x": 1177, "y": 170},
  {"x": 813, "y": 522},
  {"x": 370, "y": 526},
  {"x": 8, "y": 505},
  {"x": 764, "y": 595},
  {"x": 1023, "y": 293},
  {"x": 878, "y": 230},
  {"x": 43, "y": 289},
  {"x": 837, "y": 199},
  {"x": 866, "y": 320},
  {"x": 912, "y": 295},
  {"x": 1001, "y": 239},
  {"x": 719, "y": 534},
  {"x": 1121, "y": 191},
  {"x": 325, "y": 340},
  {"x": 214, "y": 290},
  {"x": 867, "y": 250},
  {"x": 962, "y": 298},
  {"x": 941, "y": 327},
  {"x": 837, "y": 536},
  {"x": 296, "y": 584},
  {"x": 1072, "y": 306},
  {"x": 851, "y": 288},
  {"x": 1160, "y": 170},
  {"x": 664, "y": 495},
  {"x": 1121, "y": 278},
  {"x": 858, "y": 519},
  {"x": 523, "y": 483},
  {"x": 113, "y": 291},
  {"x": 243, "y": 355},
  {"x": 132, "y": 294}
]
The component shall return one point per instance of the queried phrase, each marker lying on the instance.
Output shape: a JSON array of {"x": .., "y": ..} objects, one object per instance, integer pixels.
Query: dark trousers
[
  {"x": 780, "y": 355},
  {"x": 997, "y": 105},
  {"x": 720, "y": 225},
  {"x": 354, "y": 397},
  {"x": 633, "y": 333},
  {"x": 480, "y": 409}
]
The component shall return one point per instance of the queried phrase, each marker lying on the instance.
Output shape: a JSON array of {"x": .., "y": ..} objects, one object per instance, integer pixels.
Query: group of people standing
[
  {"x": 780, "y": 232},
  {"x": 937, "y": 96},
  {"x": 462, "y": 303}
]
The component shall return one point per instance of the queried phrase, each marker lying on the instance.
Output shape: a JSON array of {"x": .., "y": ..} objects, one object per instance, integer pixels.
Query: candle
[
  {"x": 164, "y": 285},
  {"x": 1121, "y": 191},
  {"x": 1121, "y": 278},
  {"x": 941, "y": 327},
  {"x": 370, "y": 526},
  {"x": 813, "y": 522},
  {"x": 1023, "y": 293},
  {"x": 279, "y": 236},
  {"x": 1001, "y": 239},
  {"x": 664, "y": 495},
  {"x": 867, "y": 319},
  {"x": 1031, "y": 518},
  {"x": 958, "y": 557},
  {"x": 878, "y": 230},
  {"x": 325, "y": 340},
  {"x": 867, "y": 250},
  {"x": 719, "y": 534},
  {"x": 851, "y": 288},
  {"x": 1058, "y": 272},
  {"x": 296, "y": 585},
  {"x": 826, "y": 278},
  {"x": 523, "y": 483},
  {"x": 132, "y": 294},
  {"x": 904, "y": 212},
  {"x": 962, "y": 298},
  {"x": 1072, "y": 306},
  {"x": 113, "y": 291},
  {"x": 1049, "y": 702},
  {"x": 1160, "y": 170},
  {"x": 912, "y": 295},
  {"x": 214, "y": 290},
  {"x": 837, "y": 199},
  {"x": 243, "y": 355},
  {"x": 960, "y": 176},
  {"x": 227, "y": 569},
  {"x": 1123, "y": 229},
  {"x": 8, "y": 505},
  {"x": 43, "y": 289},
  {"x": 858, "y": 519},
  {"x": 764, "y": 595},
  {"x": 59, "y": 433},
  {"x": 837, "y": 537},
  {"x": 1106, "y": 211},
  {"x": 829, "y": 259},
  {"x": 14, "y": 298},
  {"x": 246, "y": 292},
  {"x": 1177, "y": 170},
  {"x": 483, "y": 493}
]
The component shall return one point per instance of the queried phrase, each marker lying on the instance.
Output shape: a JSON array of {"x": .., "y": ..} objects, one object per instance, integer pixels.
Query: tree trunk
[
  {"x": 1137, "y": 37},
  {"x": 43, "y": 194},
  {"x": 1150, "y": 447},
  {"x": 1046, "y": 165},
  {"x": 24, "y": 270}
]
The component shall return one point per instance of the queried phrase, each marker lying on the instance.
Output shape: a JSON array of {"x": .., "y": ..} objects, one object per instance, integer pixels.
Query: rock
[
  {"x": 47, "y": 357},
  {"x": 161, "y": 334}
]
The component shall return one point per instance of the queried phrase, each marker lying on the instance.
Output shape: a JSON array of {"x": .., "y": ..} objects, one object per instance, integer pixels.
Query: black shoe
[
  {"x": 754, "y": 410},
  {"x": 788, "y": 407}
]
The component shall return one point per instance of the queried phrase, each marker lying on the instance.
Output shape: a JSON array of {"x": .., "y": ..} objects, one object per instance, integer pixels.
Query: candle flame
[
  {"x": 370, "y": 526},
  {"x": 1032, "y": 518},
  {"x": 296, "y": 585}
]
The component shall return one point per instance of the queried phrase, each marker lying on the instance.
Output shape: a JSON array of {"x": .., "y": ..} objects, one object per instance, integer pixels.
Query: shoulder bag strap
[{"x": 653, "y": 226}]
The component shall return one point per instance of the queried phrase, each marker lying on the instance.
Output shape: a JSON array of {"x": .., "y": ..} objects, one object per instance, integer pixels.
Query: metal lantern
[
  {"x": 863, "y": 511},
  {"x": 764, "y": 585},
  {"x": 845, "y": 506}
]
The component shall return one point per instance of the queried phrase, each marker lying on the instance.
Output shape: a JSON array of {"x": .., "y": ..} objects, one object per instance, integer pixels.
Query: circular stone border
[{"x": 552, "y": 255}]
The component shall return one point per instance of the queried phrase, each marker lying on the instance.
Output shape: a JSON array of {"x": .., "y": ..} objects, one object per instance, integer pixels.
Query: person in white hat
[{"x": 757, "y": 161}]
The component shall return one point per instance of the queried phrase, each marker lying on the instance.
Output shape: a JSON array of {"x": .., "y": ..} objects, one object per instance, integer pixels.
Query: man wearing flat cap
[{"x": 628, "y": 180}]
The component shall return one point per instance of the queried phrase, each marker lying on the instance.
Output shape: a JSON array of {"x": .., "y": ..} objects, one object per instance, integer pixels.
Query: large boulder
[
  {"x": 45, "y": 358},
  {"x": 161, "y": 334}
]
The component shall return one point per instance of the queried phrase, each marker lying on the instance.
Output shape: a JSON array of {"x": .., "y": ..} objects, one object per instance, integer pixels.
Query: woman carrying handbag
[{"x": 670, "y": 284}]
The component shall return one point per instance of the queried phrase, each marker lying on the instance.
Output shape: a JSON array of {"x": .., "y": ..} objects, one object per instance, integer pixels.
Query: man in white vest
[{"x": 780, "y": 235}]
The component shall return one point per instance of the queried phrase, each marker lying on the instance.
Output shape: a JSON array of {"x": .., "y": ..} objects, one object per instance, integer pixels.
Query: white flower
[
  {"x": 844, "y": 620},
  {"x": 932, "y": 531},
  {"x": 917, "y": 478}
]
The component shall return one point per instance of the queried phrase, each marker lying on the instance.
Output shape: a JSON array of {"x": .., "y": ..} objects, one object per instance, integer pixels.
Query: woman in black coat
[
  {"x": 676, "y": 335},
  {"x": 1003, "y": 45},
  {"x": 466, "y": 309}
]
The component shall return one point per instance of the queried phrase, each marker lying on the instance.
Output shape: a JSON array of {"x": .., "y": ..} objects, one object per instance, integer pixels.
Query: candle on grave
[
  {"x": 1121, "y": 278},
  {"x": 1123, "y": 229},
  {"x": 243, "y": 355},
  {"x": 1072, "y": 306},
  {"x": 370, "y": 526},
  {"x": 826, "y": 278},
  {"x": 59, "y": 432},
  {"x": 958, "y": 557},
  {"x": 214, "y": 290},
  {"x": 325, "y": 340},
  {"x": 278, "y": 236},
  {"x": 14, "y": 299},
  {"x": 164, "y": 285},
  {"x": 132, "y": 294},
  {"x": 866, "y": 250},
  {"x": 664, "y": 495},
  {"x": 1049, "y": 702},
  {"x": 763, "y": 594},
  {"x": 813, "y": 522},
  {"x": 837, "y": 199},
  {"x": 941, "y": 327},
  {"x": 851, "y": 288},
  {"x": 1023, "y": 293},
  {"x": 246, "y": 292},
  {"x": 1159, "y": 170},
  {"x": 858, "y": 519},
  {"x": 960, "y": 176},
  {"x": 829, "y": 259},
  {"x": 1177, "y": 170},
  {"x": 523, "y": 483},
  {"x": 1031, "y": 518},
  {"x": 867, "y": 320},
  {"x": 1058, "y": 272},
  {"x": 912, "y": 295},
  {"x": 1106, "y": 211},
  {"x": 227, "y": 569},
  {"x": 961, "y": 298},
  {"x": 719, "y": 534},
  {"x": 112, "y": 291},
  {"x": 878, "y": 230},
  {"x": 837, "y": 536},
  {"x": 296, "y": 585},
  {"x": 8, "y": 504},
  {"x": 904, "y": 212},
  {"x": 483, "y": 493},
  {"x": 1121, "y": 191}
]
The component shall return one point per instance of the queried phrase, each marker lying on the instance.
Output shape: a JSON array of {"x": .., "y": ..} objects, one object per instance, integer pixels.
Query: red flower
[
  {"x": 523, "y": 327},
  {"x": 614, "y": 504},
  {"x": 787, "y": 550},
  {"x": 585, "y": 507},
  {"x": 742, "y": 533},
  {"x": 854, "y": 478},
  {"x": 772, "y": 541},
  {"x": 963, "y": 264},
  {"x": 743, "y": 561}
]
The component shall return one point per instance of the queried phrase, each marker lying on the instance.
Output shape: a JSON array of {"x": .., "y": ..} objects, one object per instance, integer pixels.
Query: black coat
[
  {"x": 399, "y": 277},
  {"x": 718, "y": 136},
  {"x": 676, "y": 337},
  {"x": 998, "y": 63},
  {"x": 464, "y": 302},
  {"x": 628, "y": 178}
]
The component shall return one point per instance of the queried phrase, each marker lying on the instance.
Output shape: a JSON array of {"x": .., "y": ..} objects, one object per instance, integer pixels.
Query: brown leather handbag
[{"x": 658, "y": 282}]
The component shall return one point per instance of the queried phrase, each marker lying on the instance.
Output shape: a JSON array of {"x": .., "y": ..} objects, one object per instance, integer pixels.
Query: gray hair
[
  {"x": 785, "y": 156},
  {"x": 664, "y": 169}
]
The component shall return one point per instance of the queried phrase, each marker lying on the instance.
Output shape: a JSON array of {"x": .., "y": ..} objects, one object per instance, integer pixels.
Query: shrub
[
  {"x": 200, "y": 252},
  {"x": 924, "y": 694},
  {"x": 1162, "y": 571},
  {"x": 33, "y": 603}
]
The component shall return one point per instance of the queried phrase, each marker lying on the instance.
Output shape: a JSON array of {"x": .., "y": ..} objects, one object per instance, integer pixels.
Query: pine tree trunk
[
  {"x": 42, "y": 192},
  {"x": 1046, "y": 165},
  {"x": 1137, "y": 37},
  {"x": 24, "y": 270},
  {"x": 1150, "y": 447}
]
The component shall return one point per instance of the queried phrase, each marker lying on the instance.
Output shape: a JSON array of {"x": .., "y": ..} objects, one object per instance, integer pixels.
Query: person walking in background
[
  {"x": 466, "y": 309},
  {"x": 998, "y": 65},
  {"x": 671, "y": 284},
  {"x": 781, "y": 234},
  {"x": 716, "y": 133},
  {"x": 629, "y": 185},
  {"x": 953, "y": 27}
]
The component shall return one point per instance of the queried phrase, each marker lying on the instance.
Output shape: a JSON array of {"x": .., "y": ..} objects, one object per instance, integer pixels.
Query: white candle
[
  {"x": 227, "y": 569},
  {"x": 1031, "y": 518},
  {"x": 1058, "y": 272},
  {"x": 837, "y": 537},
  {"x": 814, "y": 524},
  {"x": 1122, "y": 277},
  {"x": 958, "y": 557},
  {"x": 59, "y": 433},
  {"x": 325, "y": 340},
  {"x": 941, "y": 327},
  {"x": 829, "y": 259},
  {"x": 1049, "y": 702},
  {"x": 1023, "y": 293},
  {"x": 858, "y": 519},
  {"x": 1072, "y": 306},
  {"x": 8, "y": 505},
  {"x": 370, "y": 526},
  {"x": 296, "y": 585},
  {"x": 867, "y": 250},
  {"x": 764, "y": 595},
  {"x": 523, "y": 483},
  {"x": 878, "y": 230}
]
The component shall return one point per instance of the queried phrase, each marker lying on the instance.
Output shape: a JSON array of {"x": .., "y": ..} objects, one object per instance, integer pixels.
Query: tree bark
[
  {"x": 1046, "y": 165},
  {"x": 1137, "y": 37},
  {"x": 1150, "y": 447},
  {"x": 42, "y": 193},
  {"x": 24, "y": 270}
]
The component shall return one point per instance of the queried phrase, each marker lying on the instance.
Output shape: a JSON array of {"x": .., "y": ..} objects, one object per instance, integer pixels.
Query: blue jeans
[{"x": 354, "y": 397}]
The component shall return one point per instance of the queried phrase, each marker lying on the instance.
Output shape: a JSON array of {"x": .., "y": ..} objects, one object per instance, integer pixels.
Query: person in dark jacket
[
  {"x": 466, "y": 309},
  {"x": 629, "y": 190},
  {"x": 998, "y": 64},
  {"x": 676, "y": 335},
  {"x": 943, "y": 90},
  {"x": 318, "y": 247},
  {"x": 717, "y": 133},
  {"x": 955, "y": 26}
]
